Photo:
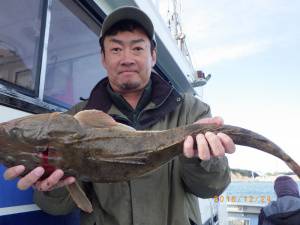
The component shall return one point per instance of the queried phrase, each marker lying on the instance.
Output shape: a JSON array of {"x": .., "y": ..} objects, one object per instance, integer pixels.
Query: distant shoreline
[{"x": 247, "y": 175}]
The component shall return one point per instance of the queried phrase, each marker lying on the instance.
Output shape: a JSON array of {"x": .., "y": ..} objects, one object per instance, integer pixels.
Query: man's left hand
[{"x": 209, "y": 144}]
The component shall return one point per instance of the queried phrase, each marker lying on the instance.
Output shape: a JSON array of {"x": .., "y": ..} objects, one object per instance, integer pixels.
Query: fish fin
[
  {"x": 94, "y": 119},
  {"x": 79, "y": 197},
  {"x": 124, "y": 127},
  {"x": 97, "y": 119},
  {"x": 136, "y": 160}
]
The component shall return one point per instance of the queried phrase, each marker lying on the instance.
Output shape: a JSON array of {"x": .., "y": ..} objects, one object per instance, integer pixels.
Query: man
[
  {"x": 286, "y": 209},
  {"x": 134, "y": 95}
]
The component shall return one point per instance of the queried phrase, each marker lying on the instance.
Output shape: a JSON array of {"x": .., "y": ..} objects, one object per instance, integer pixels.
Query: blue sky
[{"x": 251, "y": 48}]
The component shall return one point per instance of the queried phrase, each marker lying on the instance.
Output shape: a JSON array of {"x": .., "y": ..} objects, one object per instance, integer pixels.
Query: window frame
[{"x": 36, "y": 62}]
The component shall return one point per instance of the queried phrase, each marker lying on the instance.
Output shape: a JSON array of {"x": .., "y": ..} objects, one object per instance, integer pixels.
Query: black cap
[{"x": 129, "y": 13}]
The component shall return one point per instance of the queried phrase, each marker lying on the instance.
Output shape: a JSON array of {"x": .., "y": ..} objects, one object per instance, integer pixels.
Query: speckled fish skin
[{"x": 110, "y": 154}]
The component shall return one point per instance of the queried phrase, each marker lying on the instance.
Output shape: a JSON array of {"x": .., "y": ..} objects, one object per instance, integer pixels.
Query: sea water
[{"x": 251, "y": 192}]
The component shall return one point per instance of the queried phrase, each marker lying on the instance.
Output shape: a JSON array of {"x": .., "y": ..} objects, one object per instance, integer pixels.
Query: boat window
[
  {"x": 20, "y": 29},
  {"x": 73, "y": 59},
  {"x": 49, "y": 53}
]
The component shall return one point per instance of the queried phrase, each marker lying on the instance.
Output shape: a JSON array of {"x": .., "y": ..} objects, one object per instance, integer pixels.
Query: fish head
[{"x": 42, "y": 129}]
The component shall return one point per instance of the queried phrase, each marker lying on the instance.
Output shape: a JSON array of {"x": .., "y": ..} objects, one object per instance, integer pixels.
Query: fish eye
[{"x": 14, "y": 131}]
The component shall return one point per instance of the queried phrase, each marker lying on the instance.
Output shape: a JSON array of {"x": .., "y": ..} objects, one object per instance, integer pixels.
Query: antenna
[
  {"x": 174, "y": 24},
  {"x": 175, "y": 27}
]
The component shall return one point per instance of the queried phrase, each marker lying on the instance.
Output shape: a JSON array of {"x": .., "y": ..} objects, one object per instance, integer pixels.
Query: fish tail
[{"x": 244, "y": 137}]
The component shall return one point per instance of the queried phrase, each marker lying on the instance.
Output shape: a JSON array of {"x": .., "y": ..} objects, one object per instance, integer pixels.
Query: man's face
[{"x": 128, "y": 60}]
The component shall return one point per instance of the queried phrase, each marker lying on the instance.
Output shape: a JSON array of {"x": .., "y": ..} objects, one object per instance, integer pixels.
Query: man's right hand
[{"x": 55, "y": 180}]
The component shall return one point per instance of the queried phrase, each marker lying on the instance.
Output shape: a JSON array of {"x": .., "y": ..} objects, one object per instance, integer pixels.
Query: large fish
[{"x": 91, "y": 146}]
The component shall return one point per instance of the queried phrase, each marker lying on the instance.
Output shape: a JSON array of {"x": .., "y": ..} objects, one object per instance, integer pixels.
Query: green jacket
[{"x": 166, "y": 196}]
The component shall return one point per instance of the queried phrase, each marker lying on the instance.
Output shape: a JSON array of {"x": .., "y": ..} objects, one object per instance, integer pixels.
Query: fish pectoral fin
[
  {"x": 124, "y": 127},
  {"x": 136, "y": 160},
  {"x": 80, "y": 197}
]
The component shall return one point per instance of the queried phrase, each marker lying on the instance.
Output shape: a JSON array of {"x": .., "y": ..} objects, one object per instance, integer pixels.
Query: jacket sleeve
[
  {"x": 204, "y": 179},
  {"x": 76, "y": 108},
  {"x": 56, "y": 202}
]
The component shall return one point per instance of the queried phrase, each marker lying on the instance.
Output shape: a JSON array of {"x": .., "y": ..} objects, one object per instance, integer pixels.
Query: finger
[
  {"x": 213, "y": 120},
  {"x": 61, "y": 183},
  {"x": 51, "y": 181},
  {"x": 13, "y": 172},
  {"x": 27, "y": 181},
  {"x": 188, "y": 144},
  {"x": 227, "y": 142},
  {"x": 203, "y": 148},
  {"x": 64, "y": 182},
  {"x": 215, "y": 144}
]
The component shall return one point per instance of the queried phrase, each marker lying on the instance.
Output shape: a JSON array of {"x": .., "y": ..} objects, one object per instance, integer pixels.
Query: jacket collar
[
  {"x": 122, "y": 104},
  {"x": 100, "y": 99},
  {"x": 164, "y": 99}
]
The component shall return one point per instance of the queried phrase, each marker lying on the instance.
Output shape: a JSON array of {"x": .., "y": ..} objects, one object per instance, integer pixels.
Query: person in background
[
  {"x": 286, "y": 209},
  {"x": 133, "y": 94}
]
